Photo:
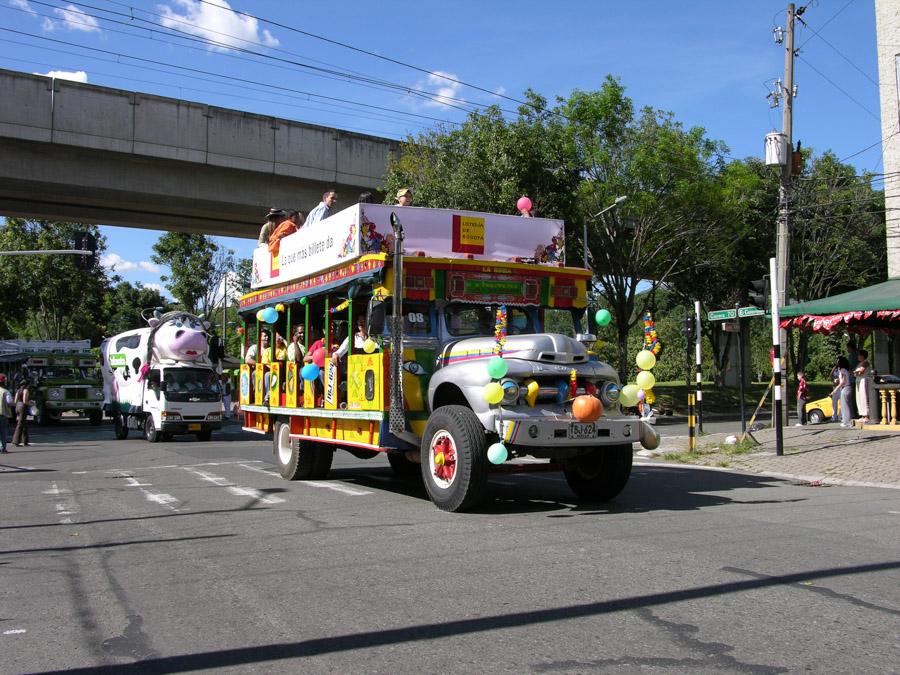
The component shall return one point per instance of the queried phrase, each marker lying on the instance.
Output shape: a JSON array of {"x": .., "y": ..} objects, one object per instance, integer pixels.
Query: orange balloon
[{"x": 587, "y": 408}]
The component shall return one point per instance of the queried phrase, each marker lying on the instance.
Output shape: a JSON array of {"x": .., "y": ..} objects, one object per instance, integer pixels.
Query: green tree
[
  {"x": 124, "y": 303},
  {"x": 197, "y": 267},
  {"x": 49, "y": 297}
]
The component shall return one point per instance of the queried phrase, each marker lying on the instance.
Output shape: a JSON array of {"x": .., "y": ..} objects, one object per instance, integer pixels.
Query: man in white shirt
[{"x": 323, "y": 210}]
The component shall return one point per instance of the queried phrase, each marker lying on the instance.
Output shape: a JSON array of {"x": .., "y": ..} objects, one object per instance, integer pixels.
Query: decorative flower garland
[
  {"x": 651, "y": 339},
  {"x": 500, "y": 330}
]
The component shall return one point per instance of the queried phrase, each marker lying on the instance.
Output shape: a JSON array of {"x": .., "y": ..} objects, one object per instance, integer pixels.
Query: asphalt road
[{"x": 122, "y": 556}]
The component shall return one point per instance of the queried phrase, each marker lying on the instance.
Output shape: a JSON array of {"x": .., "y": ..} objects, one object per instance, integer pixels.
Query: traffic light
[
  {"x": 85, "y": 241},
  {"x": 759, "y": 296},
  {"x": 688, "y": 327}
]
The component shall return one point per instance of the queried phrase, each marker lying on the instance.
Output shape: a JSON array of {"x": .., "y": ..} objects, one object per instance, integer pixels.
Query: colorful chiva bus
[{"x": 447, "y": 339}]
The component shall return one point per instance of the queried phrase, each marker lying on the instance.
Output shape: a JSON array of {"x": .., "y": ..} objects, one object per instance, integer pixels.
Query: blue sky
[{"x": 710, "y": 63}]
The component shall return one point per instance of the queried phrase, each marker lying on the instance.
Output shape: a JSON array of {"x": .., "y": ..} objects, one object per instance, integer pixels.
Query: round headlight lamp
[
  {"x": 510, "y": 392},
  {"x": 55, "y": 394},
  {"x": 609, "y": 393}
]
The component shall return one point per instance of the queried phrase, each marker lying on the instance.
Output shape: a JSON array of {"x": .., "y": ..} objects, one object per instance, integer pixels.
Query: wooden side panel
[
  {"x": 290, "y": 385},
  {"x": 244, "y": 384}
]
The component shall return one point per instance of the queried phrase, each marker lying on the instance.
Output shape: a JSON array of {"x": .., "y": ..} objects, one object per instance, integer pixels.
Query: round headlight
[
  {"x": 609, "y": 393},
  {"x": 97, "y": 394},
  {"x": 54, "y": 394},
  {"x": 510, "y": 392}
]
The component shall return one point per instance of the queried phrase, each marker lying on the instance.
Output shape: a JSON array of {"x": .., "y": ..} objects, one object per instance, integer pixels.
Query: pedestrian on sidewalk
[
  {"x": 6, "y": 412},
  {"x": 844, "y": 391},
  {"x": 802, "y": 398},
  {"x": 23, "y": 408}
]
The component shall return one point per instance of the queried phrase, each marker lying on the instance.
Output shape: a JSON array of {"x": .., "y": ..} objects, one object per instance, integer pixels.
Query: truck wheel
[
  {"x": 95, "y": 417},
  {"x": 324, "y": 457},
  {"x": 601, "y": 474},
  {"x": 120, "y": 426},
  {"x": 454, "y": 458},
  {"x": 402, "y": 466},
  {"x": 296, "y": 460},
  {"x": 41, "y": 418},
  {"x": 204, "y": 435},
  {"x": 150, "y": 432},
  {"x": 816, "y": 416}
]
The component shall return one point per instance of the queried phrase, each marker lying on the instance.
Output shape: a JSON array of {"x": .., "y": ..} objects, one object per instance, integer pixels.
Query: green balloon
[
  {"x": 603, "y": 317},
  {"x": 497, "y": 367},
  {"x": 303, "y": 301}
]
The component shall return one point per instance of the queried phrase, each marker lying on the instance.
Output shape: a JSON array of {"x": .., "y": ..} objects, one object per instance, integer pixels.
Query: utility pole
[{"x": 783, "y": 236}]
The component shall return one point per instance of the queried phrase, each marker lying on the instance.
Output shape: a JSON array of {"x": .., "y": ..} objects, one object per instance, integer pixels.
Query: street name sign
[
  {"x": 744, "y": 312},
  {"x": 721, "y": 315},
  {"x": 732, "y": 327}
]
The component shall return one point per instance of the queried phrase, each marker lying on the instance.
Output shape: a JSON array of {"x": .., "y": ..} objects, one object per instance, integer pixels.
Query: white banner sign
[{"x": 438, "y": 233}]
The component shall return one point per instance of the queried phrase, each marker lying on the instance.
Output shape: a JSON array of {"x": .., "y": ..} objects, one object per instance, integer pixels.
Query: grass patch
[{"x": 686, "y": 457}]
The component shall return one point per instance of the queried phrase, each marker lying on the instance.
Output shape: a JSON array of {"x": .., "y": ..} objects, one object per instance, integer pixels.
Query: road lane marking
[
  {"x": 337, "y": 487},
  {"x": 238, "y": 490},
  {"x": 54, "y": 490},
  {"x": 15, "y": 631},
  {"x": 166, "y": 466},
  {"x": 160, "y": 498}
]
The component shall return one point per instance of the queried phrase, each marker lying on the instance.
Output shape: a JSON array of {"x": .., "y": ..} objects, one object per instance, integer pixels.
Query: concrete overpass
[{"x": 79, "y": 152}]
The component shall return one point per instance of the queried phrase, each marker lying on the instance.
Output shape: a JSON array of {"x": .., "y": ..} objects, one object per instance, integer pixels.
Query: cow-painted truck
[
  {"x": 463, "y": 288},
  {"x": 159, "y": 380}
]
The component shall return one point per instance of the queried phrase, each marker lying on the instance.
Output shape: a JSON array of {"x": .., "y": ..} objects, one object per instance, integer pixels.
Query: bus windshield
[{"x": 479, "y": 320}]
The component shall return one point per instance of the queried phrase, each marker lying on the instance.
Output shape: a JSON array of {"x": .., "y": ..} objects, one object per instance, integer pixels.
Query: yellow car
[{"x": 820, "y": 410}]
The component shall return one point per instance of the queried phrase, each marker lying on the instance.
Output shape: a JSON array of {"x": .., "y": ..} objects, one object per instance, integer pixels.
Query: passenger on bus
[
  {"x": 297, "y": 349},
  {"x": 252, "y": 352},
  {"x": 323, "y": 210},
  {"x": 280, "y": 348},
  {"x": 291, "y": 223},
  {"x": 404, "y": 197},
  {"x": 359, "y": 339},
  {"x": 273, "y": 219}
]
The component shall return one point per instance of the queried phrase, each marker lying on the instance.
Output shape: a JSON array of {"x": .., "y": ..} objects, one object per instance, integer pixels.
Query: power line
[
  {"x": 836, "y": 86},
  {"x": 869, "y": 147},
  {"x": 365, "y": 51},
  {"x": 822, "y": 27},
  {"x": 448, "y": 101},
  {"x": 838, "y": 51}
]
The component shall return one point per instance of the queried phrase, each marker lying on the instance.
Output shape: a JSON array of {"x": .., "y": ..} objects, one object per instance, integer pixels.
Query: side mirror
[{"x": 377, "y": 312}]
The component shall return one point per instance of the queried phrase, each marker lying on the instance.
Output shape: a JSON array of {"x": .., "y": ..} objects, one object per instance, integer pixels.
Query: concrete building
[{"x": 887, "y": 24}]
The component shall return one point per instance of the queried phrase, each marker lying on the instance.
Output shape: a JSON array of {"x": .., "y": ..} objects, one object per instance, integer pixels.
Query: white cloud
[
  {"x": 499, "y": 91},
  {"x": 72, "y": 18},
  {"x": 156, "y": 287},
  {"x": 116, "y": 263},
  {"x": 442, "y": 86},
  {"x": 75, "y": 76},
  {"x": 216, "y": 22},
  {"x": 23, "y": 5}
]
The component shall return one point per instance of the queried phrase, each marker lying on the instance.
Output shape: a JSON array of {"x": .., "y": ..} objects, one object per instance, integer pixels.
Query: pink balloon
[
  {"x": 524, "y": 204},
  {"x": 318, "y": 357},
  {"x": 641, "y": 395}
]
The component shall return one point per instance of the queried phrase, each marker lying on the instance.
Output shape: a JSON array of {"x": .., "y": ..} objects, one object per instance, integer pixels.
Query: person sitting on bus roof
[
  {"x": 292, "y": 222},
  {"x": 404, "y": 197},
  {"x": 273, "y": 219},
  {"x": 323, "y": 210}
]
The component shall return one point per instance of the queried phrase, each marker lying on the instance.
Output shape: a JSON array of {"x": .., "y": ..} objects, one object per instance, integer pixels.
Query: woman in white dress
[{"x": 864, "y": 387}]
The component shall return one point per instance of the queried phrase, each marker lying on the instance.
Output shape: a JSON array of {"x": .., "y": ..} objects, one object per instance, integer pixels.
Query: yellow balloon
[
  {"x": 645, "y": 380},
  {"x": 645, "y": 359},
  {"x": 531, "y": 395},
  {"x": 493, "y": 393},
  {"x": 279, "y": 307},
  {"x": 369, "y": 346},
  {"x": 628, "y": 396}
]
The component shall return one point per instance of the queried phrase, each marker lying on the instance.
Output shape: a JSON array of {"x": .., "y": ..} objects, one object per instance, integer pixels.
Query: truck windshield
[
  {"x": 192, "y": 384},
  {"x": 473, "y": 320}
]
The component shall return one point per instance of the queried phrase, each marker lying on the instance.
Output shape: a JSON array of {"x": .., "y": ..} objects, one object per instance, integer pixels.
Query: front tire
[
  {"x": 204, "y": 435},
  {"x": 95, "y": 417},
  {"x": 816, "y": 416},
  {"x": 150, "y": 432},
  {"x": 601, "y": 474},
  {"x": 298, "y": 460},
  {"x": 120, "y": 426},
  {"x": 454, "y": 458}
]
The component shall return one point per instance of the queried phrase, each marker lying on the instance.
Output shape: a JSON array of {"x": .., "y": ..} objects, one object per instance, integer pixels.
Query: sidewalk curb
[{"x": 820, "y": 480}]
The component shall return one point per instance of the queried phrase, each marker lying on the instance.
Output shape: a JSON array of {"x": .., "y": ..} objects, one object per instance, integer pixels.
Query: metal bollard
[{"x": 692, "y": 423}]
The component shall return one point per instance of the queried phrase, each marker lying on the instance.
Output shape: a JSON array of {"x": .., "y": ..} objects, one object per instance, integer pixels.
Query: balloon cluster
[
  {"x": 644, "y": 382},
  {"x": 493, "y": 393},
  {"x": 267, "y": 315},
  {"x": 500, "y": 330},
  {"x": 651, "y": 339}
]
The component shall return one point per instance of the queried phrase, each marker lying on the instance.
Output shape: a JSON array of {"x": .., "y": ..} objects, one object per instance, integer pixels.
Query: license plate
[
  {"x": 581, "y": 430},
  {"x": 196, "y": 427}
]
